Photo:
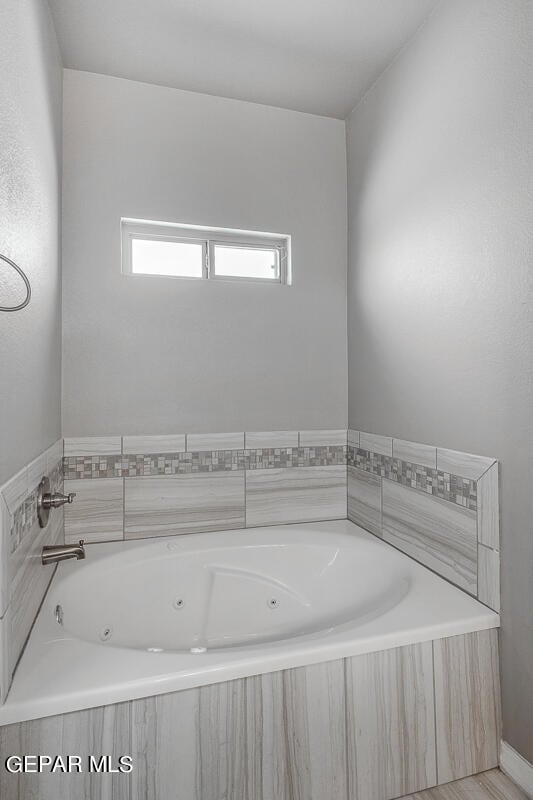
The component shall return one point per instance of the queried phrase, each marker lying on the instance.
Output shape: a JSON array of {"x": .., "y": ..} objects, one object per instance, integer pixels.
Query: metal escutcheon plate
[{"x": 43, "y": 512}]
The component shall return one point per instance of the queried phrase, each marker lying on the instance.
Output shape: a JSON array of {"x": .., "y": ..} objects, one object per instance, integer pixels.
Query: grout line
[
  {"x": 494, "y": 463},
  {"x": 347, "y": 735},
  {"x": 435, "y": 711},
  {"x": 381, "y": 507},
  {"x": 245, "y": 496}
]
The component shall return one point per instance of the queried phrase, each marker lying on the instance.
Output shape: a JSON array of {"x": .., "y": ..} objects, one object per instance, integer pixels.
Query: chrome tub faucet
[{"x": 51, "y": 553}]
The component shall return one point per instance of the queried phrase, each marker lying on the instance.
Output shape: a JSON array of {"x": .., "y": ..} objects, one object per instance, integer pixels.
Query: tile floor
[{"x": 492, "y": 785}]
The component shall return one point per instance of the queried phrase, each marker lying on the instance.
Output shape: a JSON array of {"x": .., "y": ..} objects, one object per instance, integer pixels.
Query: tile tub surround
[
  {"x": 23, "y": 579},
  {"x": 369, "y": 727},
  {"x": 145, "y": 486},
  {"x": 439, "y": 506}
]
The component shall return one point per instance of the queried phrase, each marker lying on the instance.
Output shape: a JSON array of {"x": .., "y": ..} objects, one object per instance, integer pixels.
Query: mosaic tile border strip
[
  {"x": 140, "y": 465},
  {"x": 25, "y": 516},
  {"x": 444, "y": 485}
]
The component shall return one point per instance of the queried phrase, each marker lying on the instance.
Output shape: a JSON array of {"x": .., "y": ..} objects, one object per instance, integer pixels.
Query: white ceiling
[{"x": 310, "y": 55}]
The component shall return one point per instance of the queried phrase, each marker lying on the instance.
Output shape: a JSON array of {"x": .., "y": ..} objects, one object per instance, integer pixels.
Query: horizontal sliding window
[{"x": 181, "y": 251}]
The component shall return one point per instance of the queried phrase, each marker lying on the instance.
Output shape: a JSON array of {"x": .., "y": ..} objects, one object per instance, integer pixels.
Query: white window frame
[{"x": 209, "y": 238}]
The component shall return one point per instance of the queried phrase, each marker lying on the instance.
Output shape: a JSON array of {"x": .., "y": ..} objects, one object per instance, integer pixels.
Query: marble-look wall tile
[
  {"x": 166, "y": 755},
  {"x": 467, "y": 704},
  {"x": 451, "y": 488},
  {"x": 297, "y": 494},
  {"x": 353, "y": 437},
  {"x": 325, "y": 438},
  {"x": 96, "y": 731},
  {"x": 375, "y": 443},
  {"x": 441, "y": 535},
  {"x": 277, "y": 736},
  {"x": 391, "y": 724},
  {"x": 364, "y": 500},
  {"x": 96, "y": 515},
  {"x": 93, "y": 446},
  {"x": 171, "y": 443},
  {"x": 5, "y": 673},
  {"x": 415, "y": 453},
  {"x": 54, "y": 455},
  {"x": 303, "y": 733},
  {"x": 489, "y": 577},
  {"x": 488, "y": 509},
  {"x": 465, "y": 464},
  {"x": 29, "y": 580},
  {"x": 322, "y": 712},
  {"x": 5, "y": 551},
  {"x": 491, "y": 785},
  {"x": 16, "y": 490},
  {"x": 256, "y": 440},
  {"x": 23, "y": 578},
  {"x": 215, "y": 441},
  {"x": 187, "y": 503},
  {"x": 37, "y": 469}
]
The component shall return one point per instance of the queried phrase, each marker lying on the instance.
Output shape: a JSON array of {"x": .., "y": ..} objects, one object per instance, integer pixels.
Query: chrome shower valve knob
[
  {"x": 56, "y": 500},
  {"x": 47, "y": 500}
]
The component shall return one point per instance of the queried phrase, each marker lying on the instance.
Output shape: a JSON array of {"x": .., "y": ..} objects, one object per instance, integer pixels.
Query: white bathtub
[{"x": 148, "y": 617}]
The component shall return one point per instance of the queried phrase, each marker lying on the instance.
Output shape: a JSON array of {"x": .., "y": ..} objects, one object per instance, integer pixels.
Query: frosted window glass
[
  {"x": 179, "y": 259},
  {"x": 241, "y": 262}
]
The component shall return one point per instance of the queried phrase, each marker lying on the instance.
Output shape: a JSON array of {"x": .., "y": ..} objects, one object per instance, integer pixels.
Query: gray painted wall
[
  {"x": 159, "y": 355},
  {"x": 440, "y": 274},
  {"x": 30, "y": 159}
]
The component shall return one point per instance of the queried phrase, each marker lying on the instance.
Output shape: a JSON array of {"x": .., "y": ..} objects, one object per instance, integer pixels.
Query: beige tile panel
[
  {"x": 277, "y": 736},
  {"x": 16, "y": 490},
  {"x": 465, "y": 464},
  {"x": 54, "y": 454},
  {"x": 37, "y": 469},
  {"x": 270, "y": 439},
  {"x": 188, "y": 503},
  {"x": 415, "y": 453},
  {"x": 5, "y": 673},
  {"x": 29, "y": 580},
  {"x": 489, "y": 577},
  {"x": 467, "y": 704},
  {"x": 295, "y": 494},
  {"x": 173, "y": 443},
  {"x": 166, "y": 756},
  {"x": 93, "y": 446},
  {"x": 5, "y": 551},
  {"x": 390, "y": 722},
  {"x": 364, "y": 500},
  {"x": 353, "y": 437},
  {"x": 488, "y": 508},
  {"x": 437, "y": 533},
  {"x": 215, "y": 441},
  {"x": 323, "y": 438},
  {"x": 96, "y": 515},
  {"x": 375, "y": 443},
  {"x": 96, "y": 731}
]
